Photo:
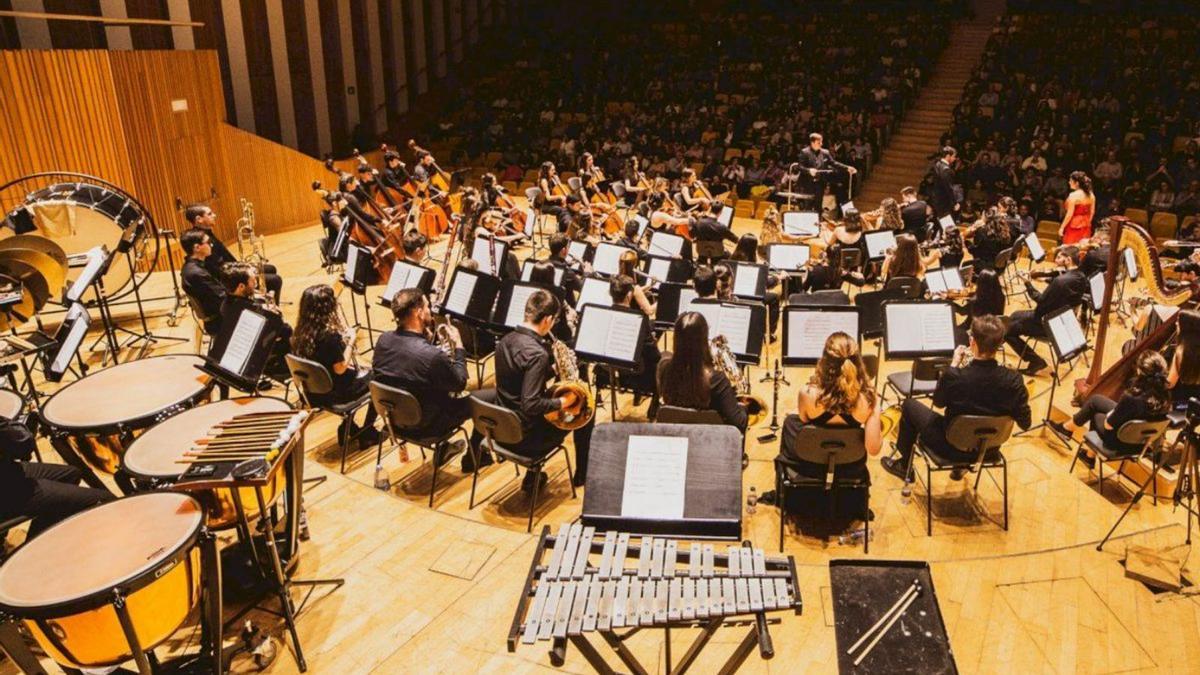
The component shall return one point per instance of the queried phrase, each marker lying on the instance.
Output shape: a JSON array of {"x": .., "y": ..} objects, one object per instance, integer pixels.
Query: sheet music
[
  {"x": 943, "y": 279},
  {"x": 577, "y": 250},
  {"x": 848, "y": 206},
  {"x": 643, "y": 223},
  {"x": 70, "y": 344},
  {"x": 481, "y": 253},
  {"x": 732, "y": 321},
  {"x": 607, "y": 259},
  {"x": 462, "y": 287},
  {"x": 655, "y": 477},
  {"x": 404, "y": 275},
  {"x": 935, "y": 281},
  {"x": 920, "y": 327},
  {"x": 95, "y": 259},
  {"x": 879, "y": 241},
  {"x": 1035, "y": 247},
  {"x": 801, "y": 224},
  {"x": 745, "y": 281},
  {"x": 594, "y": 292},
  {"x": 686, "y": 295},
  {"x": 1067, "y": 333},
  {"x": 667, "y": 245},
  {"x": 1096, "y": 284},
  {"x": 808, "y": 330},
  {"x": 788, "y": 256},
  {"x": 1131, "y": 269},
  {"x": 516, "y": 305},
  {"x": 659, "y": 268},
  {"x": 947, "y": 222},
  {"x": 609, "y": 333},
  {"x": 242, "y": 341},
  {"x": 352, "y": 254},
  {"x": 726, "y": 216}
]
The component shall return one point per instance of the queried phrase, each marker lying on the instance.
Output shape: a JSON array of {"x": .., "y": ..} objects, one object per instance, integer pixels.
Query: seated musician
[
  {"x": 366, "y": 181},
  {"x": 543, "y": 275},
  {"x": 747, "y": 251},
  {"x": 407, "y": 358},
  {"x": 905, "y": 260},
  {"x": 914, "y": 212},
  {"x": 1184, "y": 376},
  {"x": 633, "y": 178},
  {"x": 706, "y": 227},
  {"x": 571, "y": 280},
  {"x": 988, "y": 239},
  {"x": 589, "y": 175},
  {"x": 655, "y": 210},
  {"x": 524, "y": 366},
  {"x": 199, "y": 284},
  {"x": 988, "y": 299},
  {"x": 242, "y": 292},
  {"x": 946, "y": 242},
  {"x": 552, "y": 204},
  {"x": 46, "y": 492},
  {"x": 416, "y": 247},
  {"x": 1095, "y": 251},
  {"x": 395, "y": 173},
  {"x": 980, "y": 387},
  {"x": 688, "y": 378},
  {"x": 424, "y": 172},
  {"x": 332, "y": 216},
  {"x": 626, "y": 293},
  {"x": 690, "y": 194},
  {"x": 886, "y": 217},
  {"x": 354, "y": 196},
  {"x": 1145, "y": 398},
  {"x": 630, "y": 238},
  {"x": 202, "y": 217},
  {"x": 838, "y": 395},
  {"x": 321, "y": 336},
  {"x": 1065, "y": 290}
]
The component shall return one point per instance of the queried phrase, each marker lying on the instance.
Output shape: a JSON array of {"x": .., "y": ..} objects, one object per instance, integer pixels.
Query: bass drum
[
  {"x": 79, "y": 213},
  {"x": 142, "y": 549}
]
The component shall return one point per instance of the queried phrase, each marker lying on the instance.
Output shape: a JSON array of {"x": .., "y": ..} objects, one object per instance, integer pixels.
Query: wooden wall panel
[{"x": 276, "y": 178}]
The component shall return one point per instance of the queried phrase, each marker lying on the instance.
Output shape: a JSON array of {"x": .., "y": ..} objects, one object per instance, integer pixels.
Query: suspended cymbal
[
  {"x": 32, "y": 281},
  {"x": 37, "y": 243},
  {"x": 54, "y": 273},
  {"x": 20, "y": 312}
]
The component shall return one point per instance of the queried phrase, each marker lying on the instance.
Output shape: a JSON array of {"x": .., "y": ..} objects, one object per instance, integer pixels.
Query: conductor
[{"x": 820, "y": 164}]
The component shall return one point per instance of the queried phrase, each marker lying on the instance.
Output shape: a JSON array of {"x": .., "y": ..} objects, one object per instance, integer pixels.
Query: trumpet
[
  {"x": 442, "y": 339},
  {"x": 756, "y": 406}
]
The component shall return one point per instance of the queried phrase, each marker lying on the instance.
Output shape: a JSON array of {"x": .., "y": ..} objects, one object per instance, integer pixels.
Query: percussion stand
[
  {"x": 357, "y": 291},
  {"x": 109, "y": 335},
  {"x": 146, "y": 335}
]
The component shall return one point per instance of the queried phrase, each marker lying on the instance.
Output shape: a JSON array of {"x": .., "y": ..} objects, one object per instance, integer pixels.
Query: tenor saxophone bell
[
  {"x": 567, "y": 367},
  {"x": 723, "y": 359}
]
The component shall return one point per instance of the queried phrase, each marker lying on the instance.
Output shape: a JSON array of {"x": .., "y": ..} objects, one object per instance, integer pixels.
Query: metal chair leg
[
  {"x": 928, "y": 500},
  {"x": 533, "y": 498},
  {"x": 1004, "y": 469},
  {"x": 570, "y": 472},
  {"x": 433, "y": 483},
  {"x": 345, "y": 439},
  {"x": 867, "y": 525}
]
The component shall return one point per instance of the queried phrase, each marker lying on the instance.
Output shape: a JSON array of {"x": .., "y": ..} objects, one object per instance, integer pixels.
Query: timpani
[
  {"x": 11, "y": 404},
  {"x": 96, "y": 417}
]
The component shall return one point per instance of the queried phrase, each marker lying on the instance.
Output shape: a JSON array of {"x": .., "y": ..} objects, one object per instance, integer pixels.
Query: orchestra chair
[
  {"x": 850, "y": 260},
  {"x": 673, "y": 414},
  {"x": 199, "y": 318},
  {"x": 920, "y": 380},
  {"x": 1138, "y": 438},
  {"x": 910, "y": 286},
  {"x": 501, "y": 429},
  {"x": 575, "y": 184},
  {"x": 313, "y": 378},
  {"x": 401, "y": 413},
  {"x": 830, "y": 447},
  {"x": 828, "y": 298},
  {"x": 1139, "y": 216},
  {"x": 979, "y": 434}
]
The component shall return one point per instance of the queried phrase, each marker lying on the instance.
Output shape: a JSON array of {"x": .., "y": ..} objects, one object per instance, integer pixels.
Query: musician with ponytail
[{"x": 1078, "y": 209}]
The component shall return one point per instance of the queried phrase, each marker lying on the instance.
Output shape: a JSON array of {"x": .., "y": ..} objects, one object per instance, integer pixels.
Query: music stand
[
  {"x": 470, "y": 297},
  {"x": 807, "y": 327},
  {"x": 68, "y": 338},
  {"x": 1067, "y": 343},
  {"x": 606, "y": 259},
  {"x": 673, "y": 299},
  {"x": 482, "y": 253},
  {"x": 1037, "y": 253},
  {"x": 240, "y": 352},
  {"x": 870, "y": 322},
  {"x": 355, "y": 276},
  {"x": 510, "y": 305},
  {"x": 580, "y": 252},
  {"x": 801, "y": 223},
  {"x": 129, "y": 236},
  {"x": 406, "y": 275},
  {"x": 918, "y": 328},
  {"x": 99, "y": 259},
  {"x": 595, "y": 291},
  {"x": 943, "y": 280},
  {"x": 611, "y": 337},
  {"x": 666, "y": 245},
  {"x": 742, "y": 323},
  {"x": 749, "y": 281},
  {"x": 878, "y": 243},
  {"x": 527, "y": 271}
]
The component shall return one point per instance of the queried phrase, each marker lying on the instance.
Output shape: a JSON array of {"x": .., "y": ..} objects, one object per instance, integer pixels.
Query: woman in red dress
[{"x": 1077, "y": 212}]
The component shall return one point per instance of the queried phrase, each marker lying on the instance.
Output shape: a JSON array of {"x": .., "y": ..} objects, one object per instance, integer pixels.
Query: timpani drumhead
[
  {"x": 81, "y": 559},
  {"x": 127, "y": 392},
  {"x": 11, "y": 404},
  {"x": 155, "y": 453}
]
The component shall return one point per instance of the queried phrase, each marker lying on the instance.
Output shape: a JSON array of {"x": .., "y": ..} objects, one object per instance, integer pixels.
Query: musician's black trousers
[
  {"x": 561, "y": 215},
  {"x": 1024, "y": 323},
  {"x": 918, "y": 421},
  {"x": 541, "y": 438},
  {"x": 57, "y": 494}
]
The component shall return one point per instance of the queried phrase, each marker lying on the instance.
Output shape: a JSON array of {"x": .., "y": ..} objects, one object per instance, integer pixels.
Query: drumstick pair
[{"x": 249, "y": 436}]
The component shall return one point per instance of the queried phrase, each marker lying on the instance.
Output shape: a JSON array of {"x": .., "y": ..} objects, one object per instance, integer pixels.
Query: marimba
[{"x": 603, "y": 582}]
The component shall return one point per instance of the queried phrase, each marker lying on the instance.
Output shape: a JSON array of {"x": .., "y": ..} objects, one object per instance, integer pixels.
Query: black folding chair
[
  {"x": 501, "y": 428},
  {"x": 910, "y": 286},
  {"x": 401, "y": 413},
  {"x": 1136, "y": 437},
  {"x": 921, "y": 379},
  {"x": 979, "y": 435},
  {"x": 311, "y": 379},
  {"x": 830, "y": 447}
]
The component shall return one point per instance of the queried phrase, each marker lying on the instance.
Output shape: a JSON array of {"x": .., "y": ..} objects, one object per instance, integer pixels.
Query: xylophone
[{"x": 646, "y": 582}]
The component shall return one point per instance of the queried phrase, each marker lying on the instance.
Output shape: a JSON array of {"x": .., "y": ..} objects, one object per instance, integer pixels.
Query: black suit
[
  {"x": 706, "y": 228},
  {"x": 1065, "y": 290},
  {"x": 915, "y": 216},
  {"x": 411, "y": 362},
  {"x": 981, "y": 388},
  {"x": 221, "y": 255},
  {"x": 201, "y": 286},
  {"x": 821, "y": 160},
  {"x": 941, "y": 192}
]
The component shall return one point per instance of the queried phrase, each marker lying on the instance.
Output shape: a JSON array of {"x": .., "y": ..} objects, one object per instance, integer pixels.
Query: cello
[
  {"x": 383, "y": 256},
  {"x": 505, "y": 203}
]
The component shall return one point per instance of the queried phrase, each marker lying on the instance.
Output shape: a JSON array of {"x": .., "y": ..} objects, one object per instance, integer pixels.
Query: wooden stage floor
[{"x": 433, "y": 590}]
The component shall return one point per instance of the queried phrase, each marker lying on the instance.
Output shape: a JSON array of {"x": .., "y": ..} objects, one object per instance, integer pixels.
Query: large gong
[{"x": 79, "y": 212}]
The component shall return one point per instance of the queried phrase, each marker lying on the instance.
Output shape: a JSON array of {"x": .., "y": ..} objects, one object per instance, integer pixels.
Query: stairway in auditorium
[{"x": 906, "y": 157}]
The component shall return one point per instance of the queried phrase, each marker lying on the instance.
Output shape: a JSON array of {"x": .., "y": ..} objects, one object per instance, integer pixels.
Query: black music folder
[
  {"x": 240, "y": 351},
  {"x": 470, "y": 296},
  {"x": 673, "y": 299},
  {"x": 634, "y": 482},
  {"x": 611, "y": 336}
]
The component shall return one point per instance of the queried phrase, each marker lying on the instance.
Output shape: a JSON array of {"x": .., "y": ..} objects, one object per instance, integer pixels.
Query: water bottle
[
  {"x": 752, "y": 501},
  {"x": 382, "y": 480}
]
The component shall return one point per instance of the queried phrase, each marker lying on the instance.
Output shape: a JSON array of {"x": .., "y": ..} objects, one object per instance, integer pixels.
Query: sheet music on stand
[
  {"x": 801, "y": 223},
  {"x": 749, "y": 281},
  {"x": 406, "y": 275},
  {"x": 594, "y": 292},
  {"x": 69, "y": 337},
  {"x": 947, "y": 222},
  {"x": 337, "y": 252},
  {"x": 806, "y": 328},
  {"x": 1131, "y": 268},
  {"x": 655, "y": 477},
  {"x": 240, "y": 351},
  {"x": 666, "y": 245},
  {"x": 913, "y": 329},
  {"x": 470, "y": 296},
  {"x": 481, "y": 253},
  {"x": 527, "y": 272},
  {"x": 1096, "y": 290},
  {"x": 878, "y": 243},
  {"x": 643, "y": 223},
  {"x": 580, "y": 251},
  {"x": 97, "y": 258},
  {"x": 611, "y": 335},
  {"x": 510, "y": 309},
  {"x": 1065, "y": 333},
  {"x": 606, "y": 259},
  {"x": 725, "y": 217},
  {"x": 733, "y": 320},
  {"x": 1037, "y": 253},
  {"x": 788, "y": 257},
  {"x": 660, "y": 268},
  {"x": 943, "y": 279},
  {"x": 673, "y": 299}
]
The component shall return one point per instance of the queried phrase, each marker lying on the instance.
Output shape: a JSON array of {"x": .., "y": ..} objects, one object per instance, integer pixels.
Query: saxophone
[
  {"x": 723, "y": 359},
  {"x": 566, "y": 366}
]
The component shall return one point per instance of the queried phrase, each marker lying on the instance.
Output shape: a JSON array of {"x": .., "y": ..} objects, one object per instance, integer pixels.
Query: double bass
[
  {"x": 434, "y": 199},
  {"x": 383, "y": 256},
  {"x": 386, "y": 197}
]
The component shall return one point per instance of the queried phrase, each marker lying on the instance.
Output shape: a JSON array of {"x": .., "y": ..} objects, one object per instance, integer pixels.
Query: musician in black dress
[
  {"x": 688, "y": 378},
  {"x": 622, "y": 290},
  {"x": 550, "y": 203},
  {"x": 819, "y": 164},
  {"x": 201, "y": 287},
  {"x": 1064, "y": 290},
  {"x": 436, "y": 374},
  {"x": 980, "y": 387},
  {"x": 524, "y": 366},
  {"x": 200, "y": 216},
  {"x": 942, "y": 196}
]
